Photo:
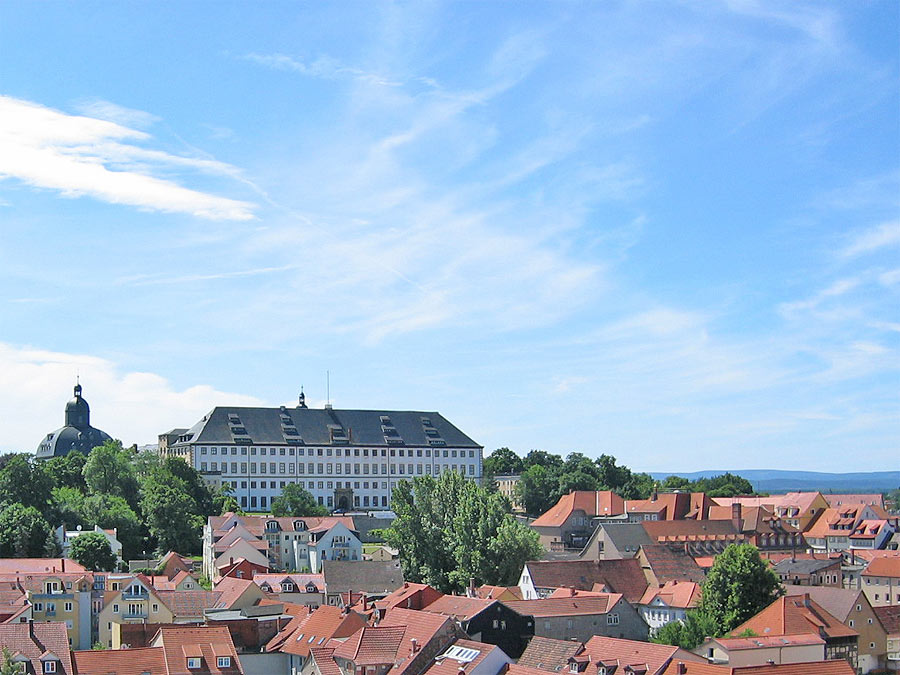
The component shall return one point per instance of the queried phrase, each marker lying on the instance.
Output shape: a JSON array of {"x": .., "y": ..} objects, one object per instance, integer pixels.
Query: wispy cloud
[
  {"x": 78, "y": 155},
  {"x": 321, "y": 67},
  {"x": 876, "y": 238},
  {"x": 111, "y": 112}
]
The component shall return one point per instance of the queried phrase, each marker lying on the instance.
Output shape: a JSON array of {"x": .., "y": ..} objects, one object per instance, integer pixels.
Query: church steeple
[{"x": 78, "y": 413}]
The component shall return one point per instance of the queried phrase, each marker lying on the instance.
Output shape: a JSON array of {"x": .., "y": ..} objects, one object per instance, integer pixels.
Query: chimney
[
  {"x": 736, "y": 516},
  {"x": 365, "y": 602},
  {"x": 682, "y": 669},
  {"x": 415, "y": 645},
  {"x": 63, "y": 564},
  {"x": 654, "y": 495},
  {"x": 572, "y": 592},
  {"x": 461, "y": 671},
  {"x": 471, "y": 587}
]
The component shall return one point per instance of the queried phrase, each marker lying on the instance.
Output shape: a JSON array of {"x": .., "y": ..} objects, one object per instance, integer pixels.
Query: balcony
[
  {"x": 134, "y": 615},
  {"x": 134, "y": 596}
]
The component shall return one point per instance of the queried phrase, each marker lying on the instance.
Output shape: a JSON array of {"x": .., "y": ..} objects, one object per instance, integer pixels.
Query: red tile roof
[
  {"x": 372, "y": 645},
  {"x": 459, "y": 607},
  {"x": 795, "y": 615},
  {"x": 764, "y": 641},
  {"x": 423, "y": 626},
  {"x": 603, "y": 503},
  {"x": 884, "y": 566},
  {"x": 683, "y": 594},
  {"x": 619, "y": 576},
  {"x": 34, "y": 640},
  {"x": 494, "y": 592},
  {"x": 889, "y": 618},
  {"x": 668, "y": 565},
  {"x": 632, "y": 652},
  {"x": 547, "y": 607},
  {"x": 409, "y": 595},
  {"x": 547, "y": 654},
  {"x": 39, "y": 565},
  {"x": 121, "y": 661},
  {"x": 207, "y": 642},
  {"x": 314, "y": 630},
  {"x": 190, "y": 604},
  {"x": 231, "y": 589},
  {"x": 870, "y": 499}
]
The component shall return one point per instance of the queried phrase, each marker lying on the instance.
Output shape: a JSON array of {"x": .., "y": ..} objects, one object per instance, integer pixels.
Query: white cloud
[
  {"x": 132, "y": 406},
  {"x": 106, "y": 110},
  {"x": 881, "y": 236},
  {"x": 79, "y": 155}
]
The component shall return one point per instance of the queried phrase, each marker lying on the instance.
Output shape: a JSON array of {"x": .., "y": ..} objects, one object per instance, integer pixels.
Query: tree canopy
[
  {"x": 739, "y": 585},
  {"x": 450, "y": 529},
  {"x": 92, "y": 550},
  {"x": 24, "y": 533},
  {"x": 296, "y": 501}
]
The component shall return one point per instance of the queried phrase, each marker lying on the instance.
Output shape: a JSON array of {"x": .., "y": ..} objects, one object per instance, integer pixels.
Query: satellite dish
[{"x": 78, "y": 528}]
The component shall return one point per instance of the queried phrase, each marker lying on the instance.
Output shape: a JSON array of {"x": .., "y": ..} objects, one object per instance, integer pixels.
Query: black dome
[{"x": 77, "y": 434}]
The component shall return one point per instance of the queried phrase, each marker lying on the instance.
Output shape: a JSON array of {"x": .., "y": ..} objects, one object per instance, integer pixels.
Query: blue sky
[{"x": 665, "y": 231}]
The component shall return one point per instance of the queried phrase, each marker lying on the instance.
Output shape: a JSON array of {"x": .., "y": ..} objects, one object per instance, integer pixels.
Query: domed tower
[{"x": 77, "y": 434}]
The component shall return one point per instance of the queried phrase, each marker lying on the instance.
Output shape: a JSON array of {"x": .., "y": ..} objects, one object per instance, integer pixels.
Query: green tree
[
  {"x": 24, "y": 480},
  {"x": 450, "y": 529},
  {"x": 224, "y": 501},
  {"x": 537, "y": 489},
  {"x": 738, "y": 585},
  {"x": 500, "y": 462},
  {"x": 676, "y": 483},
  {"x": 7, "y": 665},
  {"x": 196, "y": 487},
  {"x": 170, "y": 513},
  {"x": 724, "y": 485},
  {"x": 67, "y": 507},
  {"x": 542, "y": 458},
  {"x": 296, "y": 501},
  {"x": 688, "y": 634},
  {"x": 24, "y": 533},
  {"x": 67, "y": 471},
  {"x": 92, "y": 550},
  {"x": 109, "y": 470},
  {"x": 639, "y": 486},
  {"x": 111, "y": 512}
]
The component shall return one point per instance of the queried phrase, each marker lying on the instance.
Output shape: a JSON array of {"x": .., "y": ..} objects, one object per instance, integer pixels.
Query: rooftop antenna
[{"x": 328, "y": 387}]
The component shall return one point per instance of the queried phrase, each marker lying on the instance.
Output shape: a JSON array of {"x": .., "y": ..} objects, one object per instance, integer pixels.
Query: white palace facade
[{"x": 347, "y": 459}]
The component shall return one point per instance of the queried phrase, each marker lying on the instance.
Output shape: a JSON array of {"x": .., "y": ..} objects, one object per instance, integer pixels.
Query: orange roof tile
[
  {"x": 628, "y": 652},
  {"x": 121, "y": 661},
  {"x": 34, "y": 640},
  {"x": 601, "y": 503},
  {"x": 884, "y": 566},
  {"x": 210, "y": 641},
  {"x": 681, "y": 594},
  {"x": 450, "y": 666},
  {"x": 325, "y": 622},
  {"x": 372, "y": 645},
  {"x": 459, "y": 607},
  {"x": 795, "y": 615}
]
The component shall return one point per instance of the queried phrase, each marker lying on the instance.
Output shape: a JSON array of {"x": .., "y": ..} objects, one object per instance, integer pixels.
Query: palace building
[{"x": 347, "y": 459}]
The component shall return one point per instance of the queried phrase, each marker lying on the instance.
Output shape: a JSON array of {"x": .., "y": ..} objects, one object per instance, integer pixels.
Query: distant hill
[{"x": 774, "y": 480}]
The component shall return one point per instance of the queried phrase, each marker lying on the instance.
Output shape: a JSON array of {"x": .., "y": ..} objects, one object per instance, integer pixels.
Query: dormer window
[
  {"x": 271, "y": 526},
  {"x": 299, "y": 525},
  {"x": 223, "y": 662},
  {"x": 573, "y": 667},
  {"x": 193, "y": 662},
  {"x": 287, "y": 587},
  {"x": 50, "y": 666}
]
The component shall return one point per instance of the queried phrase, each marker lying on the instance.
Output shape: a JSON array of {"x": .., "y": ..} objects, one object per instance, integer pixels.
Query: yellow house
[
  {"x": 64, "y": 598},
  {"x": 133, "y": 602}
]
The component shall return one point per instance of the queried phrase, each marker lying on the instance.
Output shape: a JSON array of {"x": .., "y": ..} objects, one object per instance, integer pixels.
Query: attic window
[
  {"x": 193, "y": 662},
  {"x": 49, "y": 667},
  {"x": 573, "y": 667},
  {"x": 426, "y": 422},
  {"x": 385, "y": 420},
  {"x": 223, "y": 662}
]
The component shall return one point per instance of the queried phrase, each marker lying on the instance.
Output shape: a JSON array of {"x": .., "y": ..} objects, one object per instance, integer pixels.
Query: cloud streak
[{"x": 76, "y": 155}]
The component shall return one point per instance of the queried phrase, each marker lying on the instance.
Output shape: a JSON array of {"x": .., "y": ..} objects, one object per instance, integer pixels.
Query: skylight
[{"x": 461, "y": 654}]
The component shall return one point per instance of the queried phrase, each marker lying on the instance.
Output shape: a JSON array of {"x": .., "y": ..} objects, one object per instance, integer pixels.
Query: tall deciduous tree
[
  {"x": 296, "y": 501},
  {"x": 92, "y": 550},
  {"x": 500, "y": 462},
  {"x": 111, "y": 512},
  {"x": 109, "y": 470},
  {"x": 24, "y": 533},
  {"x": 170, "y": 514},
  {"x": 738, "y": 585},
  {"x": 449, "y": 530},
  {"x": 24, "y": 480},
  {"x": 67, "y": 470}
]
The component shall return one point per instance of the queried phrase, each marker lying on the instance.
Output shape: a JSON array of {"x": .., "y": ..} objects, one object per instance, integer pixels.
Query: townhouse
[
  {"x": 580, "y": 618},
  {"x": 881, "y": 580}
]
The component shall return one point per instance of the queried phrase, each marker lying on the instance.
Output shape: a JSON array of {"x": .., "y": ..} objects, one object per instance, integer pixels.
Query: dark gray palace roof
[
  {"x": 77, "y": 435},
  {"x": 313, "y": 426}
]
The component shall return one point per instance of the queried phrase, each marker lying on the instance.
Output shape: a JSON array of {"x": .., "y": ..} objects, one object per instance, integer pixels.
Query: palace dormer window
[{"x": 193, "y": 662}]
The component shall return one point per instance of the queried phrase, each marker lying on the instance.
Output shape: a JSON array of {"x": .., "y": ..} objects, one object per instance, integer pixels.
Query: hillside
[{"x": 774, "y": 480}]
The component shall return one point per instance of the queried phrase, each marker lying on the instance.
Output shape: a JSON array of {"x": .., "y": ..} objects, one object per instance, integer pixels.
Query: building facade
[{"x": 347, "y": 459}]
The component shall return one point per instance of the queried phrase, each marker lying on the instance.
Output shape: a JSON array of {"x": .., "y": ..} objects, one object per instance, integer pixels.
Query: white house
[{"x": 65, "y": 538}]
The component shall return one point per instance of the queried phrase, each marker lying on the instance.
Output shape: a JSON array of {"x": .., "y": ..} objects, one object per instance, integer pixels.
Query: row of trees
[
  {"x": 545, "y": 477},
  {"x": 153, "y": 503},
  {"x": 738, "y": 586},
  {"x": 449, "y": 530}
]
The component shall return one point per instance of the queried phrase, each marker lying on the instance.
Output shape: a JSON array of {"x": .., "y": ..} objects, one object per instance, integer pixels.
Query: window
[
  {"x": 69, "y": 608},
  {"x": 49, "y": 666},
  {"x": 155, "y": 607},
  {"x": 223, "y": 662},
  {"x": 115, "y": 609},
  {"x": 193, "y": 662},
  {"x": 612, "y": 619},
  {"x": 850, "y": 622}
]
